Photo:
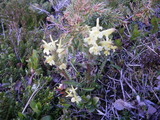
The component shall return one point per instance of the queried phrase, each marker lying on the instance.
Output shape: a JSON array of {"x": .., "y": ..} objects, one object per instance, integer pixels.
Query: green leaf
[
  {"x": 86, "y": 98},
  {"x": 88, "y": 89},
  {"x": 89, "y": 104},
  {"x": 121, "y": 31},
  {"x": 135, "y": 33},
  {"x": 48, "y": 117},
  {"x": 91, "y": 109},
  {"x": 80, "y": 105},
  {"x": 33, "y": 61},
  {"x": 95, "y": 100},
  {"x": 39, "y": 106},
  {"x": 71, "y": 82},
  {"x": 116, "y": 66},
  {"x": 21, "y": 115},
  {"x": 66, "y": 105},
  {"x": 35, "y": 107},
  {"x": 32, "y": 104},
  {"x": 118, "y": 42},
  {"x": 154, "y": 22}
]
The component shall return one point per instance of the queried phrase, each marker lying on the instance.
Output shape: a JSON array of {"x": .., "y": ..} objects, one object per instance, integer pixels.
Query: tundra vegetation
[{"x": 79, "y": 59}]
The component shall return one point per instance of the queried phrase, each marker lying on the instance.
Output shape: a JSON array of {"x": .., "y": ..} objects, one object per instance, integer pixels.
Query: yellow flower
[
  {"x": 69, "y": 94},
  {"x": 62, "y": 66},
  {"x": 72, "y": 93},
  {"x": 95, "y": 34},
  {"x": 90, "y": 41},
  {"x": 49, "y": 47},
  {"x": 95, "y": 50},
  {"x": 113, "y": 48},
  {"x": 107, "y": 45},
  {"x": 73, "y": 90},
  {"x": 98, "y": 27},
  {"x": 50, "y": 60},
  {"x": 60, "y": 50},
  {"x": 107, "y": 32},
  {"x": 53, "y": 43},
  {"x": 76, "y": 99},
  {"x": 93, "y": 41},
  {"x": 107, "y": 52}
]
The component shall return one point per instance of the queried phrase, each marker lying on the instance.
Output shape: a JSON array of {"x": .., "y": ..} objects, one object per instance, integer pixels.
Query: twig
[
  {"x": 41, "y": 10},
  {"x": 153, "y": 51},
  {"x": 102, "y": 66},
  {"x": 129, "y": 18},
  {"x": 154, "y": 92},
  {"x": 127, "y": 29},
  {"x": 131, "y": 87},
  {"x": 75, "y": 69},
  {"x": 18, "y": 33},
  {"x": 121, "y": 82},
  {"x": 31, "y": 97},
  {"x": 3, "y": 29},
  {"x": 15, "y": 47}
]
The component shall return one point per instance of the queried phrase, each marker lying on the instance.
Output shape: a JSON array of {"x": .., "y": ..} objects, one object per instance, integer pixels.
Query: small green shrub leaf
[
  {"x": 135, "y": 33},
  {"x": 66, "y": 105},
  {"x": 48, "y": 117},
  {"x": 71, "y": 82},
  {"x": 118, "y": 42},
  {"x": 32, "y": 104},
  {"x": 88, "y": 89},
  {"x": 116, "y": 66},
  {"x": 95, "y": 100},
  {"x": 154, "y": 22},
  {"x": 21, "y": 116}
]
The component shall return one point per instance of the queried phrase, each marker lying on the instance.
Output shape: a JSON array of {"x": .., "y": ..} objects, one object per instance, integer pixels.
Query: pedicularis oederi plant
[{"x": 96, "y": 42}]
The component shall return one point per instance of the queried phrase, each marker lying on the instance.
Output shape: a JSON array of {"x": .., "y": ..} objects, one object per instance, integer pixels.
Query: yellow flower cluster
[
  {"x": 97, "y": 46},
  {"x": 72, "y": 93},
  {"x": 55, "y": 53}
]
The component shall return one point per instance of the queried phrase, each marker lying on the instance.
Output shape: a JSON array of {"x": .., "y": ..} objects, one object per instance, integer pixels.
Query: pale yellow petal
[
  {"x": 106, "y": 52},
  {"x": 62, "y": 66},
  {"x": 73, "y": 99},
  {"x": 50, "y": 60},
  {"x": 95, "y": 50},
  {"x": 108, "y": 32}
]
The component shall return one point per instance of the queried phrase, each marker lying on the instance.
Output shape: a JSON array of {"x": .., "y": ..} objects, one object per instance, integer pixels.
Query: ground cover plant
[{"x": 79, "y": 59}]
